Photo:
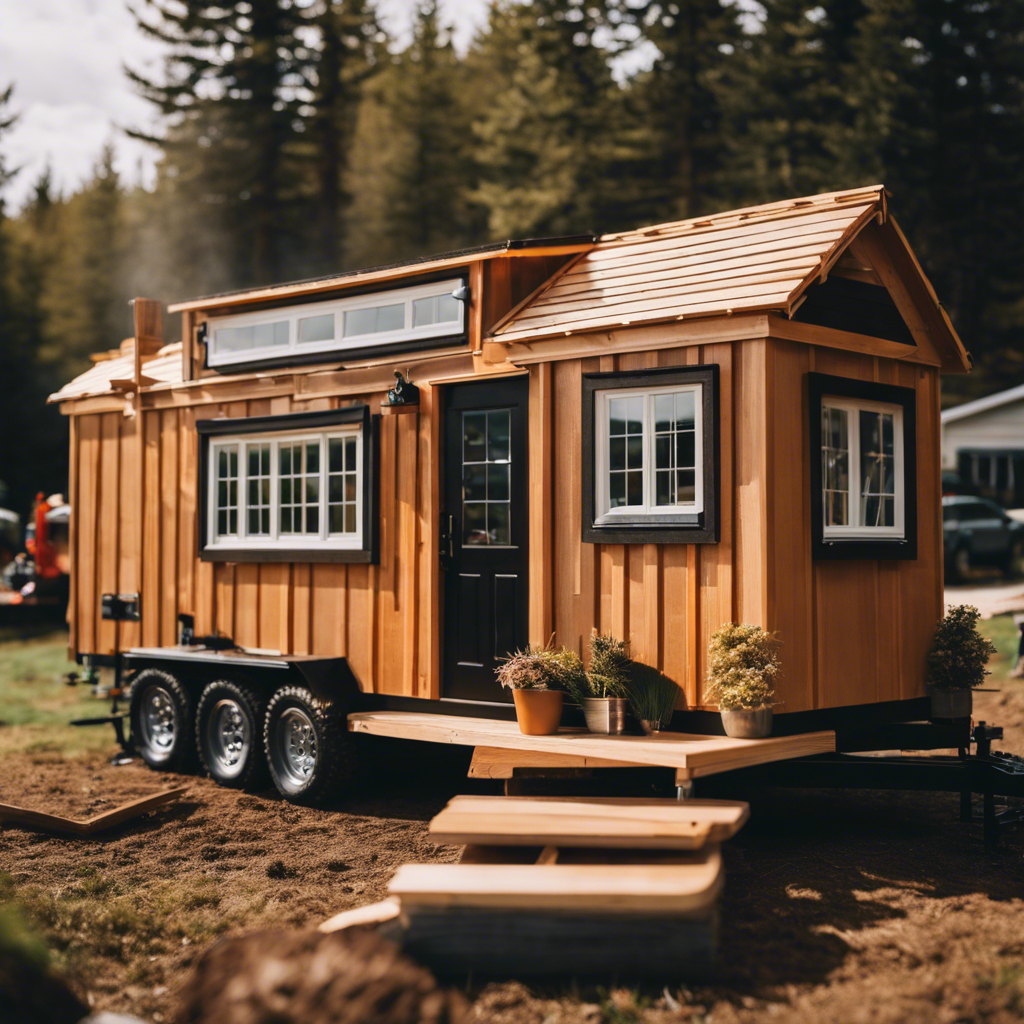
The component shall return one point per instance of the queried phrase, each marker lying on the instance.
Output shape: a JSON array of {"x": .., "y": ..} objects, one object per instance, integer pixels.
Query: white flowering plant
[{"x": 743, "y": 664}]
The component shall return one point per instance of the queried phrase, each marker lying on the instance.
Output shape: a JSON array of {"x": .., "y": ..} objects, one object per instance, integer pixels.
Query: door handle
[{"x": 447, "y": 538}]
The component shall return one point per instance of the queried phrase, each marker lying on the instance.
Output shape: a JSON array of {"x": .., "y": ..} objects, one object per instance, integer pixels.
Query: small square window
[{"x": 650, "y": 454}]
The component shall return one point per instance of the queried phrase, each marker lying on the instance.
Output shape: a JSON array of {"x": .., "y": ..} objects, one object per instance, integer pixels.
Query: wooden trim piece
[
  {"x": 287, "y": 291},
  {"x": 672, "y": 334},
  {"x": 541, "y": 510},
  {"x": 828, "y": 337},
  {"x": 360, "y": 917}
]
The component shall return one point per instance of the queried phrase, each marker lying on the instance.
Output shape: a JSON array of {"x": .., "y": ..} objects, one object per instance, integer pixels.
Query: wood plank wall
[
  {"x": 852, "y": 631},
  {"x": 383, "y": 618}
]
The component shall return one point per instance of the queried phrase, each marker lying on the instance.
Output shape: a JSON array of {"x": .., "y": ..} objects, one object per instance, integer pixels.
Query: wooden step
[
  {"x": 586, "y": 822},
  {"x": 690, "y": 887}
]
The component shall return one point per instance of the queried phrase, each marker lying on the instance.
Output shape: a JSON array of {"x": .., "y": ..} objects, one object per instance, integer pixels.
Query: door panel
[{"x": 485, "y": 550}]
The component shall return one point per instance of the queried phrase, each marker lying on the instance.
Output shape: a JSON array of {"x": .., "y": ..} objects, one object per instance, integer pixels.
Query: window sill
[
  {"x": 635, "y": 533},
  {"x": 893, "y": 549},
  {"x": 297, "y": 555}
]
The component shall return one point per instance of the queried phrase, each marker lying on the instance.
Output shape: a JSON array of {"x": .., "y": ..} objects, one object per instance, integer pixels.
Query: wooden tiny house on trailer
[{"x": 734, "y": 418}]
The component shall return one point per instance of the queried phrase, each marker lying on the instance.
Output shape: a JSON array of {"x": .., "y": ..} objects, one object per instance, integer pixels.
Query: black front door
[{"x": 484, "y": 534}]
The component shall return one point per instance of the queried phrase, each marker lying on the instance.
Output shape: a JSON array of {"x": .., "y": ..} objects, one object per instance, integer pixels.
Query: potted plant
[
  {"x": 956, "y": 662},
  {"x": 652, "y": 696},
  {"x": 742, "y": 665},
  {"x": 603, "y": 690},
  {"x": 534, "y": 675}
]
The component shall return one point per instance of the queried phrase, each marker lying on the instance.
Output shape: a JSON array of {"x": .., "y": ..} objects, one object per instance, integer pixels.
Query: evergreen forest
[{"x": 296, "y": 137}]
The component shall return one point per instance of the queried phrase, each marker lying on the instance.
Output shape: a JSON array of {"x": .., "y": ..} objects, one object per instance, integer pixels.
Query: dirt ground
[{"x": 847, "y": 907}]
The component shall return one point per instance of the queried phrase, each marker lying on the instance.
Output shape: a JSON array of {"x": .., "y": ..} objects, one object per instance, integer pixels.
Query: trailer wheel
[
  {"x": 161, "y": 712},
  {"x": 228, "y": 721},
  {"x": 309, "y": 752}
]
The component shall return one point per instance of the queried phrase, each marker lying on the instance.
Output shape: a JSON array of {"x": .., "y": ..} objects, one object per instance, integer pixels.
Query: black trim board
[
  {"x": 689, "y": 529},
  {"x": 368, "y": 553},
  {"x": 818, "y": 386}
]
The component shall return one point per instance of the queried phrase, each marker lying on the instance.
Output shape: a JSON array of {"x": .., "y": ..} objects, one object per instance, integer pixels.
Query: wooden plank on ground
[
  {"x": 614, "y": 888},
  {"x": 691, "y": 755},
  {"x": 724, "y": 818},
  {"x": 371, "y": 915},
  {"x": 24, "y": 816}
]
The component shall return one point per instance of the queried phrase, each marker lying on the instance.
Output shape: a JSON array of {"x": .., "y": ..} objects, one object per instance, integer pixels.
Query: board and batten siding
[
  {"x": 852, "y": 632},
  {"x": 383, "y": 618}
]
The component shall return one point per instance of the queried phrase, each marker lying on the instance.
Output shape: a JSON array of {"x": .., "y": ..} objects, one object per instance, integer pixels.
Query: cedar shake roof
[
  {"x": 162, "y": 368},
  {"x": 759, "y": 259}
]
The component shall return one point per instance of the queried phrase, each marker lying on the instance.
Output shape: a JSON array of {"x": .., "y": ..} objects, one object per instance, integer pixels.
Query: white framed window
[
  {"x": 862, "y": 470},
  {"x": 649, "y": 453},
  {"x": 286, "y": 491},
  {"x": 394, "y": 317}
]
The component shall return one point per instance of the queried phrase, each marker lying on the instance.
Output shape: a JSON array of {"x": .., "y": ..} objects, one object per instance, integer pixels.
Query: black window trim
[
  {"x": 905, "y": 548},
  {"x": 702, "y": 528},
  {"x": 369, "y": 553}
]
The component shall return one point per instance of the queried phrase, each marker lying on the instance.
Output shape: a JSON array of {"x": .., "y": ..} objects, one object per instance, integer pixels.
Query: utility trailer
[{"x": 356, "y": 494}]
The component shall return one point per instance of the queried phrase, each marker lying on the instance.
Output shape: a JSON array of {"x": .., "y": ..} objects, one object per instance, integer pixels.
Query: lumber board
[
  {"x": 621, "y": 888},
  {"x": 724, "y": 817},
  {"x": 369, "y": 916},
  {"x": 692, "y": 754},
  {"x": 501, "y": 763},
  {"x": 28, "y": 818},
  {"x": 525, "y": 828}
]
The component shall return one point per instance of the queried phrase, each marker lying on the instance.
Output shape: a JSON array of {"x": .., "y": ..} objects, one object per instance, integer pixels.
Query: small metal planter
[
  {"x": 947, "y": 704},
  {"x": 605, "y": 714},
  {"x": 748, "y": 725}
]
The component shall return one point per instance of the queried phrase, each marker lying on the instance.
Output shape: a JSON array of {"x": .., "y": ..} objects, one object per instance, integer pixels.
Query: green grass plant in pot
[
  {"x": 956, "y": 663},
  {"x": 652, "y": 697},
  {"x": 536, "y": 675},
  {"x": 743, "y": 664},
  {"x": 603, "y": 690}
]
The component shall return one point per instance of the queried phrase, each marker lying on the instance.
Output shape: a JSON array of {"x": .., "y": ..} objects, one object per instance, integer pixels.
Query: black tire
[
  {"x": 308, "y": 749},
  {"x": 962, "y": 563},
  {"x": 1013, "y": 566},
  {"x": 229, "y": 731},
  {"x": 161, "y": 712}
]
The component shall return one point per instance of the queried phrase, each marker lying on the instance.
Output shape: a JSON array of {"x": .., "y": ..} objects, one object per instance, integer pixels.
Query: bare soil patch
[{"x": 873, "y": 907}]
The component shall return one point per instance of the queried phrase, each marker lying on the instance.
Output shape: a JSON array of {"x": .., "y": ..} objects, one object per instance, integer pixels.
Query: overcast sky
[{"x": 65, "y": 58}]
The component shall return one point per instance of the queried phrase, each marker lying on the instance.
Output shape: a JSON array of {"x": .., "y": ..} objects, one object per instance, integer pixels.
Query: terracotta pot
[
  {"x": 745, "y": 724},
  {"x": 947, "y": 704},
  {"x": 539, "y": 712}
]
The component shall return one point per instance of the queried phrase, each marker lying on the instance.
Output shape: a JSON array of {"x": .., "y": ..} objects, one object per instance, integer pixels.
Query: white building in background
[{"x": 983, "y": 441}]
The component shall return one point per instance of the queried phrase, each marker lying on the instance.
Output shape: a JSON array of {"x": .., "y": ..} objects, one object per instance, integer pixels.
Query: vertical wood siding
[{"x": 852, "y": 631}]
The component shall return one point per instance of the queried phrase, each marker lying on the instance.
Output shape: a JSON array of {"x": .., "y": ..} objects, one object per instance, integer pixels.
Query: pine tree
[
  {"x": 550, "y": 119},
  {"x": 349, "y": 50},
  {"x": 423, "y": 167},
  {"x": 680, "y": 102},
  {"x": 230, "y": 95}
]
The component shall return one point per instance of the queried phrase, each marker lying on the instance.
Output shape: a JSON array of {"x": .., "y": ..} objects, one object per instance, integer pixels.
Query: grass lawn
[{"x": 36, "y": 705}]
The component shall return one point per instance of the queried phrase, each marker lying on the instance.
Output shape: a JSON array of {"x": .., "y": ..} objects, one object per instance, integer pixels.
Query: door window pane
[
  {"x": 486, "y": 468},
  {"x": 227, "y": 491},
  {"x": 835, "y": 466}
]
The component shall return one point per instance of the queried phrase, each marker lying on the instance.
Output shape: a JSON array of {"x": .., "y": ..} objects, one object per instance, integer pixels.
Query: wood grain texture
[{"x": 699, "y": 755}]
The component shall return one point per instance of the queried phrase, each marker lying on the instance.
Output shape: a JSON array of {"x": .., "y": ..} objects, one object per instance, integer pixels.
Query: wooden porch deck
[{"x": 690, "y": 755}]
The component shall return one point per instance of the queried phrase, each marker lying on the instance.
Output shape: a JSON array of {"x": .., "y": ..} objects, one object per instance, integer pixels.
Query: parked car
[{"x": 976, "y": 532}]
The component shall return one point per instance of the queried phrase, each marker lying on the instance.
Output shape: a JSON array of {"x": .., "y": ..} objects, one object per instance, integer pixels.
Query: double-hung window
[
  {"x": 289, "y": 487},
  {"x": 649, "y": 456},
  {"x": 862, "y": 468}
]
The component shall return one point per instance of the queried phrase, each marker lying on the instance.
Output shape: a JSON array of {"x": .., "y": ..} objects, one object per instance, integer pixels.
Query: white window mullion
[
  {"x": 275, "y": 491},
  {"x": 324, "y": 480},
  {"x": 243, "y": 491}
]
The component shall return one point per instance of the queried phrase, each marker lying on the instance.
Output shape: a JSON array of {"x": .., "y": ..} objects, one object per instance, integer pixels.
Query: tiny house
[{"x": 730, "y": 418}]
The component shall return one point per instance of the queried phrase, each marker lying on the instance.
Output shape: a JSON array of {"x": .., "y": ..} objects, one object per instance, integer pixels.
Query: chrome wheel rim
[
  {"x": 228, "y": 737},
  {"x": 158, "y": 721},
  {"x": 295, "y": 748}
]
